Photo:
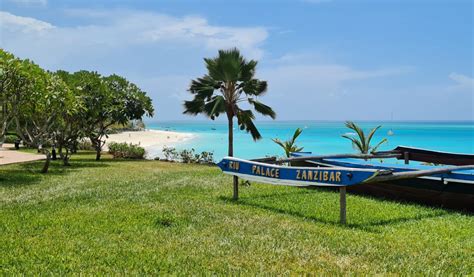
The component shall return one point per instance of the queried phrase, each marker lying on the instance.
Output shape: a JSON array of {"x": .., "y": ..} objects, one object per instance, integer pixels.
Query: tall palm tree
[
  {"x": 289, "y": 145},
  {"x": 362, "y": 142},
  {"x": 228, "y": 84}
]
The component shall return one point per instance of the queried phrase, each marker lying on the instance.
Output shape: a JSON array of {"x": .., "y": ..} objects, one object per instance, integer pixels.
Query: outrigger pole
[
  {"x": 336, "y": 156},
  {"x": 388, "y": 175}
]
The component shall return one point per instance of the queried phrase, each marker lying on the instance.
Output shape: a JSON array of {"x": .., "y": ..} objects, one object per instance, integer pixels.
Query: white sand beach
[{"x": 151, "y": 140}]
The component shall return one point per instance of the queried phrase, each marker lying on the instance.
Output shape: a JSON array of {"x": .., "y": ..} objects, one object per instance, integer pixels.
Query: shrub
[
  {"x": 126, "y": 151},
  {"x": 170, "y": 153},
  {"x": 85, "y": 144},
  {"x": 207, "y": 157},
  {"x": 10, "y": 138},
  {"x": 188, "y": 156}
]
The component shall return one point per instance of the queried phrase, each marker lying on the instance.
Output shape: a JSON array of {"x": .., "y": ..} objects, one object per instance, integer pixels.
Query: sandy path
[{"x": 8, "y": 156}]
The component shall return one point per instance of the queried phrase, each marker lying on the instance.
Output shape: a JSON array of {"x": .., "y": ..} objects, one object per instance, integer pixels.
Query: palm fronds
[
  {"x": 362, "y": 143},
  {"x": 230, "y": 81},
  {"x": 290, "y": 146}
]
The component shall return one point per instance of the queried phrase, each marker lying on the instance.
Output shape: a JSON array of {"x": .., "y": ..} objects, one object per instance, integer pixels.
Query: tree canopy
[
  {"x": 229, "y": 83},
  {"x": 62, "y": 108}
]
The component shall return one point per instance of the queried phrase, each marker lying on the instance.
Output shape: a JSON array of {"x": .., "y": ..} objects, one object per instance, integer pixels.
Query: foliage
[
  {"x": 188, "y": 156},
  {"x": 85, "y": 144},
  {"x": 71, "y": 124},
  {"x": 158, "y": 218},
  {"x": 170, "y": 153},
  {"x": 126, "y": 151},
  {"x": 362, "y": 142},
  {"x": 63, "y": 108},
  {"x": 290, "y": 146},
  {"x": 11, "y": 138},
  {"x": 229, "y": 82},
  {"x": 14, "y": 83},
  {"x": 111, "y": 100},
  {"x": 34, "y": 99},
  {"x": 131, "y": 125}
]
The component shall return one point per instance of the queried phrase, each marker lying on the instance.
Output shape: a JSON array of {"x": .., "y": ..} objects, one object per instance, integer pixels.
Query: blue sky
[{"x": 323, "y": 59}]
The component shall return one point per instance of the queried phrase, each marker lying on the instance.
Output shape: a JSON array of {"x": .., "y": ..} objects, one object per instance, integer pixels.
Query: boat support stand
[{"x": 342, "y": 205}]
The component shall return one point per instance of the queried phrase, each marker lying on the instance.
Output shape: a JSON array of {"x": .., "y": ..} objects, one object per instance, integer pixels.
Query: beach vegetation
[
  {"x": 33, "y": 100},
  {"x": 110, "y": 101},
  {"x": 126, "y": 150},
  {"x": 290, "y": 146},
  {"x": 59, "y": 109},
  {"x": 170, "y": 153},
  {"x": 362, "y": 142},
  {"x": 188, "y": 156},
  {"x": 11, "y": 138},
  {"x": 230, "y": 88},
  {"x": 85, "y": 144}
]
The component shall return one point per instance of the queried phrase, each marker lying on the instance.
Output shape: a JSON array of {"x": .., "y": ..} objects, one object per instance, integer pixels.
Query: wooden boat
[
  {"x": 439, "y": 185},
  {"x": 295, "y": 176},
  {"x": 450, "y": 185}
]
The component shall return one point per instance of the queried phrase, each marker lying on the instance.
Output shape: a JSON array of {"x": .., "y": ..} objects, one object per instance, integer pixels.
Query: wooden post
[
  {"x": 342, "y": 205},
  {"x": 236, "y": 188},
  {"x": 406, "y": 156}
]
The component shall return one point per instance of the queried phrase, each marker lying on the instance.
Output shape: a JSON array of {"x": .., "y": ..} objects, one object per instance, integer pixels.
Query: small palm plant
[
  {"x": 362, "y": 142},
  {"x": 289, "y": 145}
]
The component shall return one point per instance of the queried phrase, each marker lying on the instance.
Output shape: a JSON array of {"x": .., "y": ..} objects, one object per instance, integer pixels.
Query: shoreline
[{"x": 151, "y": 140}]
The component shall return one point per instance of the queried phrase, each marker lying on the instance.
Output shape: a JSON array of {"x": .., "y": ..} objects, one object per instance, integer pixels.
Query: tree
[
  {"x": 362, "y": 142},
  {"x": 71, "y": 124},
  {"x": 48, "y": 98},
  {"x": 14, "y": 84},
  {"x": 289, "y": 146},
  {"x": 108, "y": 101},
  {"x": 229, "y": 83},
  {"x": 124, "y": 101}
]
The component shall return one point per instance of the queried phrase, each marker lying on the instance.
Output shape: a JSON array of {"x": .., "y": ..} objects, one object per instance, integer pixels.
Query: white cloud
[
  {"x": 115, "y": 29},
  {"x": 463, "y": 81},
  {"x": 13, "y": 23},
  {"x": 30, "y": 2}
]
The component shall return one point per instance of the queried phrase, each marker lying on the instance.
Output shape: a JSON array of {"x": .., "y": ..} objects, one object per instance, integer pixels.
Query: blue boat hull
[
  {"x": 453, "y": 190},
  {"x": 466, "y": 176},
  {"x": 295, "y": 176}
]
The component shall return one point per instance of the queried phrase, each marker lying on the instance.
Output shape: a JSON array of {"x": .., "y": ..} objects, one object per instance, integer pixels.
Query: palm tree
[
  {"x": 362, "y": 143},
  {"x": 289, "y": 145},
  {"x": 228, "y": 84}
]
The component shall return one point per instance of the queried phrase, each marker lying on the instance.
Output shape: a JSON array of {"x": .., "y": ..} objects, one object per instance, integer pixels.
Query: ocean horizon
[{"x": 319, "y": 137}]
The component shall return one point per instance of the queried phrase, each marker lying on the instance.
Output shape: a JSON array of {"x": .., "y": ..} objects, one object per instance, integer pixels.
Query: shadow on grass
[
  {"x": 29, "y": 173},
  {"x": 370, "y": 225},
  {"x": 17, "y": 177}
]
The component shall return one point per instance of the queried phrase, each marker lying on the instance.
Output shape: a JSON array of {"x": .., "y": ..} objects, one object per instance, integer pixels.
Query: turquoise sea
[{"x": 319, "y": 137}]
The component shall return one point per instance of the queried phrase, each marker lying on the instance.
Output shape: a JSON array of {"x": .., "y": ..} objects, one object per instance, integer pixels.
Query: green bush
[
  {"x": 10, "y": 138},
  {"x": 188, "y": 156},
  {"x": 85, "y": 144},
  {"x": 170, "y": 153},
  {"x": 126, "y": 151}
]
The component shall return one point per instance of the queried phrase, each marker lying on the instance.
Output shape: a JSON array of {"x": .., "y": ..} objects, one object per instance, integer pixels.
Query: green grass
[{"x": 147, "y": 216}]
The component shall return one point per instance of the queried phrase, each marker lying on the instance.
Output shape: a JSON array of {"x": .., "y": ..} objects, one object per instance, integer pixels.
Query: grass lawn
[{"x": 118, "y": 216}]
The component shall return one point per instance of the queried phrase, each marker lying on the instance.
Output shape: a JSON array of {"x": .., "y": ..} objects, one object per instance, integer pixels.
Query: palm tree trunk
[{"x": 231, "y": 153}]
